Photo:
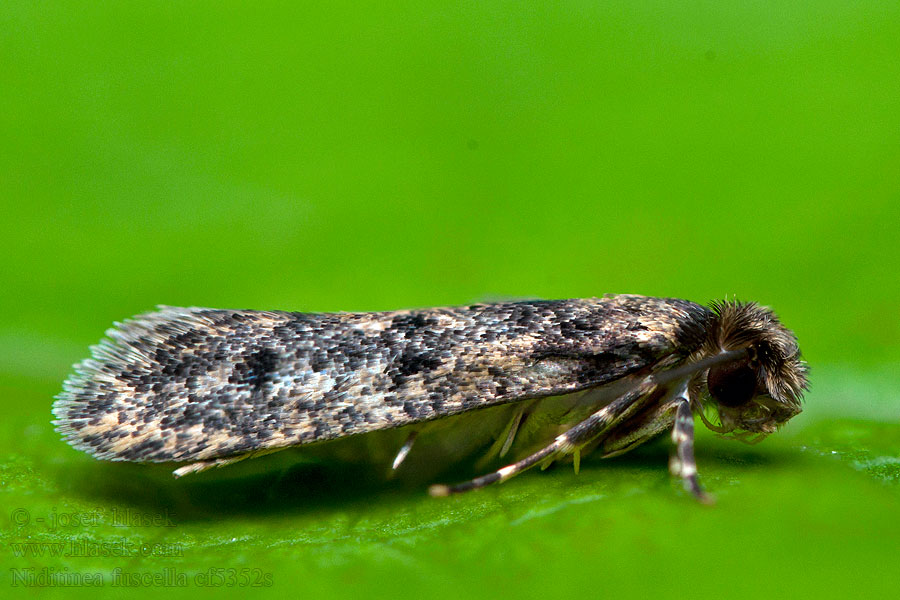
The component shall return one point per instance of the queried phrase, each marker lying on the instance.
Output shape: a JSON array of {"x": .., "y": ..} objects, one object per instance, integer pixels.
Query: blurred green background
[{"x": 359, "y": 156}]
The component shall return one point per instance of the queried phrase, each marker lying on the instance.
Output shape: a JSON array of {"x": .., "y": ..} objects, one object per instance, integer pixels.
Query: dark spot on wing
[
  {"x": 410, "y": 363},
  {"x": 258, "y": 365}
]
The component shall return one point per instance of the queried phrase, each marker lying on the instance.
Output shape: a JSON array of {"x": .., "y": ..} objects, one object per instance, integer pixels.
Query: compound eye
[{"x": 732, "y": 384}]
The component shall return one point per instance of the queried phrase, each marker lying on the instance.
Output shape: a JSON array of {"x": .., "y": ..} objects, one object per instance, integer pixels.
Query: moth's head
[{"x": 761, "y": 390}]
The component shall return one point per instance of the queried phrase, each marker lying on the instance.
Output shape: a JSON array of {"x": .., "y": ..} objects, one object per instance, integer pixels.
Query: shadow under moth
[{"x": 209, "y": 387}]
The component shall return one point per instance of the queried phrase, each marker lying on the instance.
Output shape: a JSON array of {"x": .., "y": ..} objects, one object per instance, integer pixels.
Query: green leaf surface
[{"x": 357, "y": 156}]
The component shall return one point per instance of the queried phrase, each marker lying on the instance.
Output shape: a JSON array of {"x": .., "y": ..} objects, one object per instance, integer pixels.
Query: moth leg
[
  {"x": 682, "y": 463},
  {"x": 506, "y": 438},
  {"x": 404, "y": 450},
  {"x": 579, "y": 435},
  {"x": 512, "y": 429},
  {"x": 204, "y": 465},
  {"x": 501, "y": 474}
]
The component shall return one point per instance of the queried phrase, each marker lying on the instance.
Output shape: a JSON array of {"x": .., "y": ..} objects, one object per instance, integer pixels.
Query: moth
[{"x": 209, "y": 387}]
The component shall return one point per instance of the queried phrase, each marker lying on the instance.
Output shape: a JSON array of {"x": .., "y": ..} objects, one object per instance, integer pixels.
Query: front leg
[{"x": 682, "y": 463}]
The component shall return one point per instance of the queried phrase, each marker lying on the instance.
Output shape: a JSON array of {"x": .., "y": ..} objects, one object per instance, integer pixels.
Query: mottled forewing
[{"x": 193, "y": 384}]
